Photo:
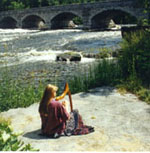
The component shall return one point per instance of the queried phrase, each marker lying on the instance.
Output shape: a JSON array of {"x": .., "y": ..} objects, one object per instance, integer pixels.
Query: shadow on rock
[
  {"x": 148, "y": 110},
  {"x": 102, "y": 91},
  {"x": 38, "y": 136},
  {"x": 35, "y": 135}
]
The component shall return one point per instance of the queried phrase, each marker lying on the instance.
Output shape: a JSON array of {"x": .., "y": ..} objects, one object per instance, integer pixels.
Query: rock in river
[{"x": 69, "y": 56}]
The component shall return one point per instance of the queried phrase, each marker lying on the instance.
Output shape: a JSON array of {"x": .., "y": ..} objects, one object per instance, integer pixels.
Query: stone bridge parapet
[{"x": 93, "y": 15}]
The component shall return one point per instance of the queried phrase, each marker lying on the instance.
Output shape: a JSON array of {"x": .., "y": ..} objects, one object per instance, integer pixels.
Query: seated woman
[{"x": 55, "y": 118}]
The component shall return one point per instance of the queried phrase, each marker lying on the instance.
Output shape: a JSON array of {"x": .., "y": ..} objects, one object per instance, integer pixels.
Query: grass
[
  {"x": 15, "y": 93},
  {"x": 105, "y": 72},
  {"x": 135, "y": 86}
]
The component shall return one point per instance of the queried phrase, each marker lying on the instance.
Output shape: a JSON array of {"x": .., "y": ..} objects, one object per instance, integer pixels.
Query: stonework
[{"x": 50, "y": 15}]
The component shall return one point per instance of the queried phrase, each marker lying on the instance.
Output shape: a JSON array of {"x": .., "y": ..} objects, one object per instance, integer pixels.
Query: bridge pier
[
  {"x": 86, "y": 25},
  {"x": 47, "y": 25},
  {"x": 86, "y": 19},
  {"x": 19, "y": 24}
]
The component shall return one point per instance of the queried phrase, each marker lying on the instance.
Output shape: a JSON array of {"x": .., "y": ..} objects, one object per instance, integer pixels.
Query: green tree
[
  {"x": 33, "y": 3},
  {"x": 147, "y": 9},
  {"x": 25, "y": 2},
  {"x": 16, "y": 5},
  {"x": 5, "y": 4},
  {"x": 53, "y": 2},
  {"x": 44, "y": 3},
  {"x": 146, "y": 5}
]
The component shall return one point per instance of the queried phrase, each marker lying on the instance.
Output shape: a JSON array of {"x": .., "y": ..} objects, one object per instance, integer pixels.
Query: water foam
[{"x": 21, "y": 46}]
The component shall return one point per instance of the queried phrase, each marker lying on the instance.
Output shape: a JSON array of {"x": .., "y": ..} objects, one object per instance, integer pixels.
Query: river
[{"x": 33, "y": 52}]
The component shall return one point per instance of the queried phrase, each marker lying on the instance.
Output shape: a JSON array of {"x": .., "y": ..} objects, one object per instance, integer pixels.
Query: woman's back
[{"x": 55, "y": 119}]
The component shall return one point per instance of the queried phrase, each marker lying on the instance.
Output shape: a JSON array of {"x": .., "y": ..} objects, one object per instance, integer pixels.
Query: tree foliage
[
  {"x": 146, "y": 5},
  {"x": 135, "y": 58}
]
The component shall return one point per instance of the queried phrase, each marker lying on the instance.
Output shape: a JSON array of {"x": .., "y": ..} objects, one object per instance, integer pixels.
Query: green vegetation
[
  {"x": 15, "y": 93},
  {"x": 106, "y": 52},
  {"x": 135, "y": 57},
  {"x": 129, "y": 74},
  {"x": 146, "y": 5},
  {"x": 135, "y": 63},
  {"x": 105, "y": 72},
  {"x": 77, "y": 20},
  {"x": 9, "y": 140}
]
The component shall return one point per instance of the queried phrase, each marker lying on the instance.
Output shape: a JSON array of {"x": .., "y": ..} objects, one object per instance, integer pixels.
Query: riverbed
[{"x": 32, "y": 52}]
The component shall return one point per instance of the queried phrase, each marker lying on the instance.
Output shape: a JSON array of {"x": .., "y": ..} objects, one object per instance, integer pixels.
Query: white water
[{"x": 20, "y": 46}]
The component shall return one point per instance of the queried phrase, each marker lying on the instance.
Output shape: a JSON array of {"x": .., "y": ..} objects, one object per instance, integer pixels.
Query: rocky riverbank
[
  {"x": 121, "y": 123},
  {"x": 54, "y": 72}
]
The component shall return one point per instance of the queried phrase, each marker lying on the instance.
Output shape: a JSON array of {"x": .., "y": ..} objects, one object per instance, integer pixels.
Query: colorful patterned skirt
[{"x": 75, "y": 125}]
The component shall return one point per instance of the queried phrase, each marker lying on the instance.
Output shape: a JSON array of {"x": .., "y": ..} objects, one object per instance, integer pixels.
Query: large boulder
[{"x": 69, "y": 56}]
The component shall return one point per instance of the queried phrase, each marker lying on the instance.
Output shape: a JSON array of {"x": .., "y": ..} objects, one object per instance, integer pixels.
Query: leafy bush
[
  {"x": 131, "y": 84},
  {"x": 135, "y": 64},
  {"x": 134, "y": 85},
  {"x": 9, "y": 140},
  {"x": 135, "y": 58},
  {"x": 77, "y": 20},
  {"x": 144, "y": 94}
]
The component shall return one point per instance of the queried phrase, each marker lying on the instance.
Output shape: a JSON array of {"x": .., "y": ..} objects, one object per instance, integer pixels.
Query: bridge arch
[
  {"x": 8, "y": 23},
  {"x": 64, "y": 20},
  {"x": 103, "y": 18},
  {"x": 33, "y": 22}
]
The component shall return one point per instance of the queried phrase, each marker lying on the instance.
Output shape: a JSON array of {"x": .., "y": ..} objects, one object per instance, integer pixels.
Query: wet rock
[
  {"x": 111, "y": 24},
  {"x": 69, "y": 56},
  {"x": 71, "y": 24},
  {"x": 42, "y": 26}
]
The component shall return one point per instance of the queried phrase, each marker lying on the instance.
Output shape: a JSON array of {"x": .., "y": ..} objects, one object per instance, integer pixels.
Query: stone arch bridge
[{"x": 93, "y": 15}]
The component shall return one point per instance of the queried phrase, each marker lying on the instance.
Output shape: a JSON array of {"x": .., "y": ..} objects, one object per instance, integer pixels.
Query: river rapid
[{"x": 29, "y": 53}]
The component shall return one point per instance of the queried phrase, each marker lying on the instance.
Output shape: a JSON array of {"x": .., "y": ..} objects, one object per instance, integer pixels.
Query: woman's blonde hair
[{"x": 47, "y": 95}]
